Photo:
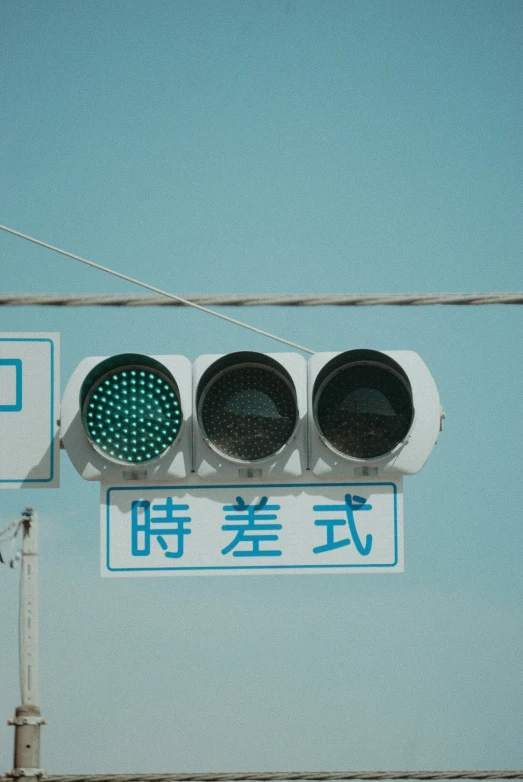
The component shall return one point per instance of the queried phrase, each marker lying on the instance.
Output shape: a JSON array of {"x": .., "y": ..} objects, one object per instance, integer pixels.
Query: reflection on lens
[
  {"x": 132, "y": 414},
  {"x": 364, "y": 410},
  {"x": 248, "y": 412}
]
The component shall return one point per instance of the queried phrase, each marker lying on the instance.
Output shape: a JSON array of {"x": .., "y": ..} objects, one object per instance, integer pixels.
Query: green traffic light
[{"x": 127, "y": 411}]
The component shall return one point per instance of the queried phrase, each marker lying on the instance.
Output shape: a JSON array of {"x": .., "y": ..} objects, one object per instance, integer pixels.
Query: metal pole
[{"x": 27, "y": 718}]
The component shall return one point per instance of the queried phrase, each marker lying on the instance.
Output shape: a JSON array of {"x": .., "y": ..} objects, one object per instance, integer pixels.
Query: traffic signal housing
[
  {"x": 247, "y": 416},
  {"x": 371, "y": 413},
  {"x": 250, "y": 416},
  {"x": 128, "y": 417}
]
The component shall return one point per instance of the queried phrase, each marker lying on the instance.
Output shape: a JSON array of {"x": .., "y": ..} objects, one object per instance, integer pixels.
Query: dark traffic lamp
[
  {"x": 371, "y": 413},
  {"x": 250, "y": 411}
]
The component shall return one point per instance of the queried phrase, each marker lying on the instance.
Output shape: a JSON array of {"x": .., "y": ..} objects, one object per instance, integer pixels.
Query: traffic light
[
  {"x": 371, "y": 413},
  {"x": 250, "y": 415},
  {"x": 129, "y": 417}
]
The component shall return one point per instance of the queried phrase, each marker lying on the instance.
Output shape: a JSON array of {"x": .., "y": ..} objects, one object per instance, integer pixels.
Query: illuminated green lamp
[{"x": 131, "y": 408}]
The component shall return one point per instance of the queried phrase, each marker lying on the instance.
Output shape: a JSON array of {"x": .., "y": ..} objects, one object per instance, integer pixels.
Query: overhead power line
[
  {"x": 255, "y": 299},
  {"x": 270, "y": 776}
]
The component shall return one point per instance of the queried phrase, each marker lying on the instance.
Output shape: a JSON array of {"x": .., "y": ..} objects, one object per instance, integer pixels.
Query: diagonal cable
[{"x": 153, "y": 288}]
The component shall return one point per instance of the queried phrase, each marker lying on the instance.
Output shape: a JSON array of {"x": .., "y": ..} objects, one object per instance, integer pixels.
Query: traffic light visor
[
  {"x": 130, "y": 408},
  {"x": 247, "y": 406},
  {"x": 362, "y": 403}
]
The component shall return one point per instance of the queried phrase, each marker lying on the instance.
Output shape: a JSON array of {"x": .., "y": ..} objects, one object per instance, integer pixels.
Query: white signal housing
[
  {"x": 412, "y": 449},
  {"x": 246, "y": 430}
]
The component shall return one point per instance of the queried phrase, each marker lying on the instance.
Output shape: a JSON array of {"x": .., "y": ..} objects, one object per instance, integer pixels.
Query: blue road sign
[
  {"x": 10, "y": 385},
  {"x": 250, "y": 528},
  {"x": 29, "y": 385}
]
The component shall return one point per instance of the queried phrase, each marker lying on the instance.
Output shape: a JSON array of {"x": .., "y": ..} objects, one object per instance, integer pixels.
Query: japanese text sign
[
  {"x": 220, "y": 530},
  {"x": 29, "y": 401}
]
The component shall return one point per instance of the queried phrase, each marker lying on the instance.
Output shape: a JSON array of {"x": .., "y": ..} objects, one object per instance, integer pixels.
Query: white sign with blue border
[
  {"x": 252, "y": 529},
  {"x": 29, "y": 394}
]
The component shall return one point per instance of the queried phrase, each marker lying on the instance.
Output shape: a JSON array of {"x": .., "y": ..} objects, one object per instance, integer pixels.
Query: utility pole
[{"x": 27, "y": 718}]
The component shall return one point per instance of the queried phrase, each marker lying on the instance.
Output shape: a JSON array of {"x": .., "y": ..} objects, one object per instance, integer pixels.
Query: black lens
[
  {"x": 364, "y": 410},
  {"x": 248, "y": 412}
]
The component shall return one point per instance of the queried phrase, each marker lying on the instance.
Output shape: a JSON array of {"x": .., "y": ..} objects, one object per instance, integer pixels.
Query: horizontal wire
[
  {"x": 254, "y": 300},
  {"x": 152, "y": 288},
  {"x": 321, "y": 776}
]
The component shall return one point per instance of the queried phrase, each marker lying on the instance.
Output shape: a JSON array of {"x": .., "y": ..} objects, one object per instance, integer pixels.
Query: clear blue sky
[{"x": 278, "y": 146}]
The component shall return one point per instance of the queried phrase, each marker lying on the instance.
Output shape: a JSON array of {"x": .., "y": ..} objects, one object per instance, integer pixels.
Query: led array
[
  {"x": 248, "y": 412},
  {"x": 132, "y": 414},
  {"x": 364, "y": 410}
]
